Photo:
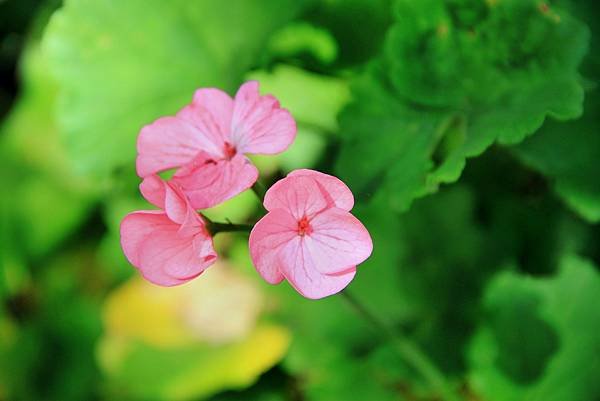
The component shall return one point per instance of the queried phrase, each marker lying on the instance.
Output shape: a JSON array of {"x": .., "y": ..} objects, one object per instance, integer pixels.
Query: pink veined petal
[
  {"x": 176, "y": 204},
  {"x": 210, "y": 113},
  {"x": 153, "y": 190},
  {"x": 300, "y": 196},
  {"x": 167, "y": 143},
  {"x": 207, "y": 182},
  {"x": 136, "y": 229},
  {"x": 337, "y": 240},
  {"x": 161, "y": 278},
  {"x": 298, "y": 268},
  {"x": 167, "y": 253},
  {"x": 167, "y": 196},
  {"x": 192, "y": 224},
  {"x": 267, "y": 238},
  {"x": 259, "y": 124},
  {"x": 204, "y": 247},
  {"x": 332, "y": 187},
  {"x": 343, "y": 272}
]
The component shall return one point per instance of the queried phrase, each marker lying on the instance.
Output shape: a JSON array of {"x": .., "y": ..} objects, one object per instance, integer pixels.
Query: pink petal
[
  {"x": 268, "y": 236},
  {"x": 210, "y": 113},
  {"x": 298, "y": 267},
  {"x": 338, "y": 241},
  {"x": 192, "y": 224},
  {"x": 204, "y": 248},
  {"x": 167, "y": 196},
  {"x": 208, "y": 182},
  {"x": 153, "y": 244},
  {"x": 176, "y": 204},
  {"x": 171, "y": 142},
  {"x": 259, "y": 124},
  {"x": 339, "y": 194},
  {"x": 153, "y": 190},
  {"x": 167, "y": 143},
  {"x": 300, "y": 196},
  {"x": 135, "y": 227},
  {"x": 176, "y": 256}
]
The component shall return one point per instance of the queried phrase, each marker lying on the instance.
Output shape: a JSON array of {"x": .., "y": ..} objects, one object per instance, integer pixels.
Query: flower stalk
[
  {"x": 215, "y": 227},
  {"x": 259, "y": 189},
  {"x": 408, "y": 350}
]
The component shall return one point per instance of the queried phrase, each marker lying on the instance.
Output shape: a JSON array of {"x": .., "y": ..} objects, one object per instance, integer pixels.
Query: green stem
[
  {"x": 214, "y": 228},
  {"x": 260, "y": 190},
  {"x": 407, "y": 349}
]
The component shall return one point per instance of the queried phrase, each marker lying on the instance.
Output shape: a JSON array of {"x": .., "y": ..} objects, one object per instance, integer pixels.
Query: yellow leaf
[
  {"x": 219, "y": 306},
  {"x": 233, "y": 366}
]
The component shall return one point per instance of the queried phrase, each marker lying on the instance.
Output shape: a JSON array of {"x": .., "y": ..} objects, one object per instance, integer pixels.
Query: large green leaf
[
  {"x": 342, "y": 17},
  {"x": 569, "y": 155},
  {"x": 454, "y": 78},
  {"x": 337, "y": 375},
  {"x": 48, "y": 201},
  {"x": 122, "y": 64},
  {"x": 387, "y": 146},
  {"x": 539, "y": 339}
]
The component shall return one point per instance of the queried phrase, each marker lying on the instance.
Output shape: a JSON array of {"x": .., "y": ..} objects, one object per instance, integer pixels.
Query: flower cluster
[{"x": 308, "y": 235}]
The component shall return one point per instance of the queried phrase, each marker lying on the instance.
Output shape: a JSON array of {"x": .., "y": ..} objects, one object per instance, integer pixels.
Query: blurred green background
[{"x": 469, "y": 131}]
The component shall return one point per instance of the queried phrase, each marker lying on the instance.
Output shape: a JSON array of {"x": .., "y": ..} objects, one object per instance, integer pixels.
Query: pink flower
[
  {"x": 309, "y": 237},
  {"x": 207, "y": 140},
  {"x": 169, "y": 246}
]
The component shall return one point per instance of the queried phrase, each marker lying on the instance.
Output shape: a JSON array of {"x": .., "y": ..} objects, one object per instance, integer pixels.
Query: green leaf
[
  {"x": 46, "y": 213},
  {"x": 122, "y": 64},
  {"x": 191, "y": 372},
  {"x": 539, "y": 339},
  {"x": 340, "y": 17},
  {"x": 387, "y": 146},
  {"x": 443, "y": 268},
  {"x": 48, "y": 200},
  {"x": 379, "y": 283},
  {"x": 454, "y": 78},
  {"x": 300, "y": 39},
  {"x": 466, "y": 53},
  {"x": 569, "y": 155},
  {"x": 338, "y": 376},
  {"x": 314, "y": 100}
]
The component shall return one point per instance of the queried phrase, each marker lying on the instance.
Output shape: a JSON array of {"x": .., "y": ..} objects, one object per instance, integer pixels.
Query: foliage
[
  {"x": 454, "y": 77},
  {"x": 142, "y": 73},
  {"x": 489, "y": 266},
  {"x": 535, "y": 333}
]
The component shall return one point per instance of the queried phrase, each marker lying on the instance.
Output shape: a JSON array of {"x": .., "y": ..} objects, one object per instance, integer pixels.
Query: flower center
[
  {"x": 304, "y": 226},
  {"x": 230, "y": 151}
]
